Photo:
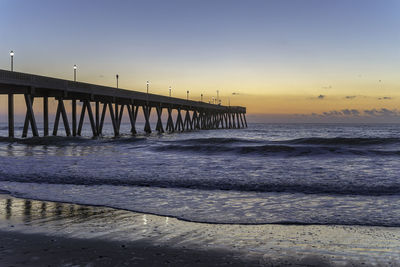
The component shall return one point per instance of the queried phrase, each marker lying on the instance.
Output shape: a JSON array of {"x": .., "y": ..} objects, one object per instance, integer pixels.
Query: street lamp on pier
[
  {"x": 117, "y": 76},
  {"x": 170, "y": 91},
  {"x": 75, "y": 67},
  {"x": 12, "y": 60}
]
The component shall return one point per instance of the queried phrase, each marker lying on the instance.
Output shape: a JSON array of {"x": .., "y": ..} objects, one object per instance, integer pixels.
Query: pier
[{"x": 182, "y": 114}]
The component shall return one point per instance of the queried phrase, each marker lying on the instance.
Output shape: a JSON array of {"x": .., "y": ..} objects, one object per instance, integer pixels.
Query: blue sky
[{"x": 279, "y": 55}]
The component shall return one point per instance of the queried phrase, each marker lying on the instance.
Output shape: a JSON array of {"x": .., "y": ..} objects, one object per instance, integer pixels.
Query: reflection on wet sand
[{"x": 334, "y": 244}]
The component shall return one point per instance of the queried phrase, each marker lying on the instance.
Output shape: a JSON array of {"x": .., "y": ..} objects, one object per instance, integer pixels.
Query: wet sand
[
  {"x": 40, "y": 233},
  {"x": 21, "y": 249}
]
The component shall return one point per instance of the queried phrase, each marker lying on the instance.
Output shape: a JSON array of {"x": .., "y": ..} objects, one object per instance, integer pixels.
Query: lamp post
[
  {"x": 201, "y": 97},
  {"x": 187, "y": 94},
  {"x": 213, "y": 100},
  {"x": 75, "y": 67},
  {"x": 217, "y": 96},
  {"x": 170, "y": 91},
  {"x": 12, "y": 60},
  {"x": 117, "y": 76}
]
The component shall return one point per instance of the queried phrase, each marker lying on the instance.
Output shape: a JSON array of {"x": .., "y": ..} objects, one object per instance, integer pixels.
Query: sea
[{"x": 323, "y": 174}]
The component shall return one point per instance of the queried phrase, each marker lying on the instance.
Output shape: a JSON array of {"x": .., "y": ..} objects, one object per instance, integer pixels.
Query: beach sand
[{"x": 41, "y": 233}]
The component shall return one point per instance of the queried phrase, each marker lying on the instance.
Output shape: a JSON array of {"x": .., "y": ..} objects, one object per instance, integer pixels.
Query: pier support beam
[
  {"x": 237, "y": 120},
  {"x": 87, "y": 106},
  {"x": 74, "y": 117},
  {"x": 170, "y": 123},
  {"x": 116, "y": 114},
  {"x": 233, "y": 120},
  {"x": 91, "y": 118},
  {"x": 132, "y": 116},
  {"x": 179, "y": 122},
  {"x": 81, "y": 119},
  {"x": 201, "y": 119},
  {"x": 113, "y": 120},
  {"x": 187, "y": 125},
  {"x": 65, "y": 117},
  {"x": 45, "y": 116},
  {"x": 103, "y": 115},
  {"x": 241, "y": 119},
  {"x": 146, "y": 112},
  {"x": 97, "y": 111},
  {"x": 195, "y": 120},
  {"x": 11, "y": 115},
  {"x": 26, "y": 121},
  {"x": 159, "y": 126},
  {"x": 121, "y": 112},
  {"x": 61, "y": 111},
  {"x": 30, "y": 115}
]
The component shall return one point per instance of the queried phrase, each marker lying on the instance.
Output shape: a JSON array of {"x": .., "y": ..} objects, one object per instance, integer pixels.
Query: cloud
[
  {"x": 346, "y": 112},
  {"x": 383, "y": 112},
  {"x": 350, "y": 97},
  {"x": 385, "y": 98},
  {"x": 321, "y": 96},
  {"x": 371, "y": 112},
  {"x": 350, "y": 112},
  {"x": 332, "y": 113},
  {"x": 327, "y": 87}
]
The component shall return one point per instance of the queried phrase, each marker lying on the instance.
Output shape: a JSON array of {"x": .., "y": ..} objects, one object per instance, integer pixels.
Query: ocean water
[{"x": 334, "y": 174}]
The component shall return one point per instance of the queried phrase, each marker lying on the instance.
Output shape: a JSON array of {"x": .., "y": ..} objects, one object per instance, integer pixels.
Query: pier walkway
[{"x": 189, "y": 115}]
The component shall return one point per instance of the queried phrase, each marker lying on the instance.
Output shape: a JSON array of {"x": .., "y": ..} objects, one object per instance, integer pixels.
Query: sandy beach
[{"x": 39, "y": 233}]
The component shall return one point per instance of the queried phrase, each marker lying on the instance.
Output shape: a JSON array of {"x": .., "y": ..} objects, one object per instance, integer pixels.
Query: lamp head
[
  {"x": 75, "y": 67},
  {"x": 11, "y": 53}
]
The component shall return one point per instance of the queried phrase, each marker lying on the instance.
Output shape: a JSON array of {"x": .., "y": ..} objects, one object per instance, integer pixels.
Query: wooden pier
[{"x": 190, "y": 115}]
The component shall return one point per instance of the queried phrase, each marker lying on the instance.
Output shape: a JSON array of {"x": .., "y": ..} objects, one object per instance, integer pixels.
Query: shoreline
[
  {"x": 30, "y": 225},
  {"x": 283, "y": 223}
]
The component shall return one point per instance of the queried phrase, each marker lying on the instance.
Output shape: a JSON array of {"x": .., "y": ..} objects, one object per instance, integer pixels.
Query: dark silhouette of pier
[{"x": 190, "y": 115}]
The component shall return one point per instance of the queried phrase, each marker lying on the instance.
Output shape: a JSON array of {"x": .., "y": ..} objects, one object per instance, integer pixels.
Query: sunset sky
[{"x": 277, "y": 58}]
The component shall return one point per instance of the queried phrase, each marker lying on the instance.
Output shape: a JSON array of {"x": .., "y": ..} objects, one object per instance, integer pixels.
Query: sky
[{"x": 284, "y": 60}]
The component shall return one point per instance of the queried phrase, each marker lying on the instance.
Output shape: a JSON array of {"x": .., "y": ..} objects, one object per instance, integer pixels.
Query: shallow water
[{"x": 267, "y": 173}]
